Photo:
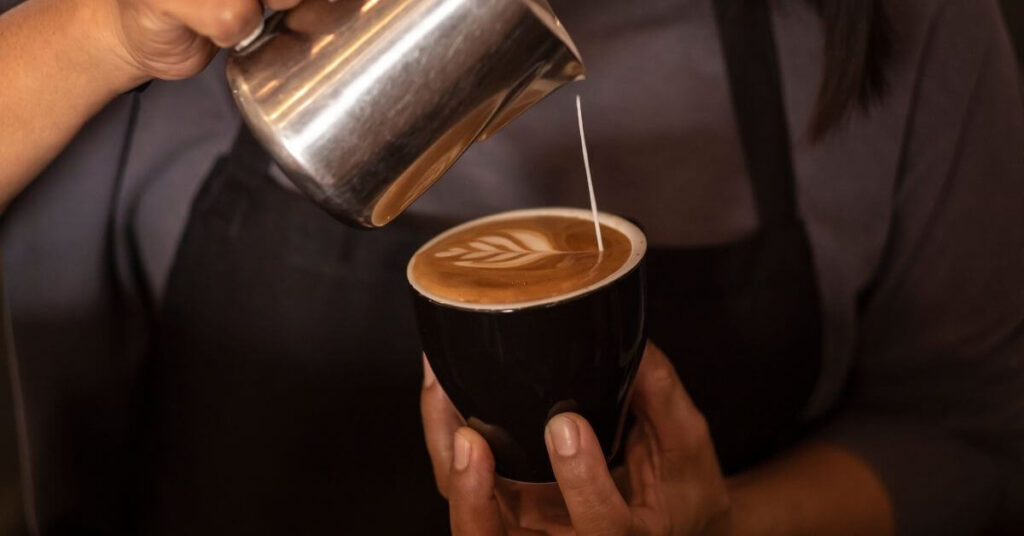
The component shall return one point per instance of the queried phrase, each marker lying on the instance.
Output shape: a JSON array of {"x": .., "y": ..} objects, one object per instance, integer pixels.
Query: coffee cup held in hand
[{"x": 522, "y": 318}]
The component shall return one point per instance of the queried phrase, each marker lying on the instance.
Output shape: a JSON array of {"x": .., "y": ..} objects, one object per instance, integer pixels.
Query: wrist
[{"x": 96, "y": 29}]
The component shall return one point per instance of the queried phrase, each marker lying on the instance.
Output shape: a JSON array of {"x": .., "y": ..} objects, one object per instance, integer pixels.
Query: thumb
[
  {"x": 594, "y": 502},
  {"x": 225, "y": 22}
]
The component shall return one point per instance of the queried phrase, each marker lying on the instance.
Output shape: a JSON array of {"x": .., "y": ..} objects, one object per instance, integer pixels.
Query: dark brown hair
[{"x": 858, "y": 51}]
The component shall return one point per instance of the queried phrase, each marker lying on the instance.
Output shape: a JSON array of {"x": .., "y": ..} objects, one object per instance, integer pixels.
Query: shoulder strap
[{"x": 748, "y": 42}]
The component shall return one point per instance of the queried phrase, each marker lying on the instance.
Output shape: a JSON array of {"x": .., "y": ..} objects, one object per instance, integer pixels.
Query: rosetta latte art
[
  {"x": 518, "y": 260},
  {"x": 511, "y": 249}
]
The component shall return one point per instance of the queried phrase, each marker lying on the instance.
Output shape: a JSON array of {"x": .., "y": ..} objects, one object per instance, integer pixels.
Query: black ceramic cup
[{"x": 509, "y": 370}]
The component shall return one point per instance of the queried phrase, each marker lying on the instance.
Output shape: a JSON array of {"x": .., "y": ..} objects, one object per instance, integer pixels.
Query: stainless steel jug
[{"x": 366, "y": 103}]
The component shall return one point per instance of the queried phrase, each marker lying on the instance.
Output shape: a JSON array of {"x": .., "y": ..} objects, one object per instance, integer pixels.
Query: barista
[
  {"x": 893, "y": 407},
  {"x": 206, "y": 352}
]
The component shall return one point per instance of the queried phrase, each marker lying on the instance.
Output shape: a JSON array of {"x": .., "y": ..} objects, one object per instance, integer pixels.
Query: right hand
[
  {"x": 670, "y": 485},
  {"x": 176, "y": 39}
]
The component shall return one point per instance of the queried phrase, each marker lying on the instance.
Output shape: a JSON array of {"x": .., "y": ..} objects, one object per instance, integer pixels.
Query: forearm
[
  {"x": 60, "y": 69},
  {"x": 816, "y": 490}
]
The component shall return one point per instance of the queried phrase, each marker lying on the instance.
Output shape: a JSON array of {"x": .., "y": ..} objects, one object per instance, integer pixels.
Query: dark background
[
  {"x": 1014, "y": 11},
  {"x": 11, "y": 511}
]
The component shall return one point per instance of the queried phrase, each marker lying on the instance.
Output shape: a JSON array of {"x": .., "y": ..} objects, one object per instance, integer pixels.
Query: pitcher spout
[{"x": 563, "y": 66}]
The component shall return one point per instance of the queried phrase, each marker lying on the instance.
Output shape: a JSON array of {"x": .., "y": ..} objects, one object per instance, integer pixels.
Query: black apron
[
  {"x": 741, "y": 322},
  {"x": 284, "y": 380}
]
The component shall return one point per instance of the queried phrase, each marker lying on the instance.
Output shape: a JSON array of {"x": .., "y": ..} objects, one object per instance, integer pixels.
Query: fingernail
[
  {"x": 428, "y": 373},
  {"x": 460, "y": 460},
  {"x": 256, "y": 32},
  {"x": 564, "y": 435}
]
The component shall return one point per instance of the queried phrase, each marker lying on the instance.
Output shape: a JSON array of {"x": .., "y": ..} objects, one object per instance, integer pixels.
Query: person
[
  {"x": 904, "y": 417},
  {"x": 206, "y": 352}
]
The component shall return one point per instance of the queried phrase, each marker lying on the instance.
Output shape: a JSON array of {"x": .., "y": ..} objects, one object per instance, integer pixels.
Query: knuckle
[
  {"x": 579, "y": 475},
  {"x": 663, "y": 377},
  {"x": 575, "y": 477},
  {"x": 595, "y": 501},
  {"x": 230, "y": 21}
]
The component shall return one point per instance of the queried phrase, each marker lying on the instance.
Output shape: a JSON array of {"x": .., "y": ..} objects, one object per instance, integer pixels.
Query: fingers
[
  {"x": 440, "y": 420},
  {"x": 640, "y": 465},
  {"x": 594, "y": 503},
  {"x": 636, "y": 458},
  {"x": 674, "y": 422},
  {"x": 225, "y": 22},
  {"x": 473, "y": 508}
]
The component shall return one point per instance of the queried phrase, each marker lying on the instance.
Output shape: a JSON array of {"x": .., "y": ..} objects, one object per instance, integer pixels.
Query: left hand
[{"x": 672, "y": 484}]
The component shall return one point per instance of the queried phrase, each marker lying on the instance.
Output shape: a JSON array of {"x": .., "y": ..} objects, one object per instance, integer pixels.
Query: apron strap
[
  {"x": 748, "y": 42},
  {"x": 247, "y": 156}
]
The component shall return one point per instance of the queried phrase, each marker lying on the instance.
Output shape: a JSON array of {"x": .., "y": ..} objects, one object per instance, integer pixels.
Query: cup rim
[{"x": 633, "y": 263}]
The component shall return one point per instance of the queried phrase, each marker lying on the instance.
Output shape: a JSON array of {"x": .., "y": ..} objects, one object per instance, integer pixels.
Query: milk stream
[{"x": 590, "y": 176}]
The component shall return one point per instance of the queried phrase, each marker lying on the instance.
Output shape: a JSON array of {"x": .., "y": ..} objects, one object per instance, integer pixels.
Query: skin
[
  {"x": 64, "y": 60},
  {"x": 670, "y": 484}
]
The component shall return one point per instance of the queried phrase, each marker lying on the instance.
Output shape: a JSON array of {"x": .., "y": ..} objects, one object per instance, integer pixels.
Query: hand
[
  {"x": 672, "y": 484},
  {"x": 175, "y": 39}
]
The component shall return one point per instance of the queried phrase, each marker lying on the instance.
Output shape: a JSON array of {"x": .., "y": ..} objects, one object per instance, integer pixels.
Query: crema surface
[{"x": 519, "y": 259}]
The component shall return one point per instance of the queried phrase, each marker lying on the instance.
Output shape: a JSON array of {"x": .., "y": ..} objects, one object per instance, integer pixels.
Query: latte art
[
  {"x": 514, "y": 248},
  {"x": 523, "y": 258}
]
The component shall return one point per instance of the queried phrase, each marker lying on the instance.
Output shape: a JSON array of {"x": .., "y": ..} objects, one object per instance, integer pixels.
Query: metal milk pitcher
[{"x": 366, "y": 103}]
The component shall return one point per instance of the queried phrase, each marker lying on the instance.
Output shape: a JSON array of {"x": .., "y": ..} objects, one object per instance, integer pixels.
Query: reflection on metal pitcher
[{"x": 365, "y": 104}]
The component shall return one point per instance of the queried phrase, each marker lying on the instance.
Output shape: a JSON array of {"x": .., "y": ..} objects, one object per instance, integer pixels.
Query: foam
[{"x": 517, "y": 248}]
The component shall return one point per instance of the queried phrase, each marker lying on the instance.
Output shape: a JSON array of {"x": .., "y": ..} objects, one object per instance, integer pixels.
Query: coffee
[
  {"x": 524, "y": 258},
  {"x": 521, "y": 318}
]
